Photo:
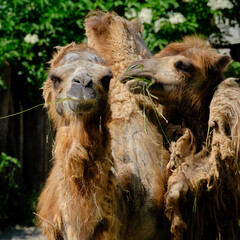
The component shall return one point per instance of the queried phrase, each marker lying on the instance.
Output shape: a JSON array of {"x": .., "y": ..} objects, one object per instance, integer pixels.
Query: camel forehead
[
  {"x": 80, "y": 55},
  {"x": 172, "y": 58},
  {"x": 77, "y": 63},
  {"x": 169, "y": 61},
  {"x": 70, "y": 68}
]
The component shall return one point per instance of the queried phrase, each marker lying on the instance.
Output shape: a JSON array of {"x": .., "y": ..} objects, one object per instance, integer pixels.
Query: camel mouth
[
  {"x": 81, "y": 100},
  {"x": 81, "y": 106},
  {"x": 139, "y": 76},
  {"x": 145, "y": 80}
]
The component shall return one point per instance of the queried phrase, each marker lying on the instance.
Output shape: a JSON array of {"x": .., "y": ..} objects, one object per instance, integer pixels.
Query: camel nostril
[
  {"x": 106, "y": 80},
  {"x": 83, "y": 78},
  {"x": 75, "y": 80},
  {"x": 87, "y": 83}
]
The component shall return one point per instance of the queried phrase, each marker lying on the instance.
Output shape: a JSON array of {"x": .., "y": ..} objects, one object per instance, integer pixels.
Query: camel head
[
  {"x": 77, "y": 83},
  {"x": 181, "y": 75},
  {"x": 115, "y": 38}
]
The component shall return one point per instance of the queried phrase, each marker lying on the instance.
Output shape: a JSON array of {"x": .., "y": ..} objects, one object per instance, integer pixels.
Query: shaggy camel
[
  {"x": 183, "y": 78},
  {"x": 136, "y": 142},
  {"x": 81, "y": 199}
]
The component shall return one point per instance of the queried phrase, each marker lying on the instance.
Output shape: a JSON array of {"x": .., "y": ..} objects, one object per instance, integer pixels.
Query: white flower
[
  {"x": 31, "y": 38},
  {"x": 31, "y": 7},
  {"x": 176, "y": 17},
  {"x": 158, "y": 24},
  {"x": 131, "y": 13},
  {"x": 219, "y": 4},
  {"x": 145, "y": 15}
]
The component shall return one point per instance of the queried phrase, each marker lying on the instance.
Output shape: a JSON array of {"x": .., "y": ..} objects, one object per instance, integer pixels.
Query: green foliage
[
  {"x": 7, "y": 161},
  {"x": 16, "y": 204},
  {"x": 2, "y": 84},
  {"x": 30, "y": 29},
  {"x": 233, "y": 70},
  {"x": 8, "y": 166}
]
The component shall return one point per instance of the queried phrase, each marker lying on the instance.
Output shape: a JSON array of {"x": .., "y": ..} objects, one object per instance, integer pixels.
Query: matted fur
[
  {"x": 207, "y": 185},
  {"x": 137, "y": 143},
  {"x": 80, "y": 199}
]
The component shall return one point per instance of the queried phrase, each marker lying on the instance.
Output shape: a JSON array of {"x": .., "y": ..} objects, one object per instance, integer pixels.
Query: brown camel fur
[
  {"x": 81, "y": 199},
  {"x": 201, "y": 189},
  {"x": 183, "y": 77},
  {"x": 136, "y": 142}
]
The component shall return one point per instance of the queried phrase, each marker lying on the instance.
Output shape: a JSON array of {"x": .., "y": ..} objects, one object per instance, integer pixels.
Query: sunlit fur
[
  {"x": 136, "y": 142},
  {"x": 79, "y": 200}
]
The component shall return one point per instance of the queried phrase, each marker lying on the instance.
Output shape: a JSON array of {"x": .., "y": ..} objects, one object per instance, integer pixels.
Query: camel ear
[{"x": 222, "y": 62}]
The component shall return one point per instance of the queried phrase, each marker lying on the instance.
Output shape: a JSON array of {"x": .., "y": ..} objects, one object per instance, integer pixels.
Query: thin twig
[{"x": 39, "y": 105}]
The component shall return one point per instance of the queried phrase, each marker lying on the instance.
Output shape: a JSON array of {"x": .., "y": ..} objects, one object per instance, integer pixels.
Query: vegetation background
[{"x": 29, "y": 31}]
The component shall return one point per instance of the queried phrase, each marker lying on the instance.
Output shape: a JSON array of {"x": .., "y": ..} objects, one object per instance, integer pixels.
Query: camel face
[
  {"x": 166, "y": 78},
  {"x": 175, "y": 80},
  {"x": 81, "y": 78}
]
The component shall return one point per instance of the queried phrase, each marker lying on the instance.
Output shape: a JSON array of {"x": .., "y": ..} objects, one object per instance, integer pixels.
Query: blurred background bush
[{"x": 29, "y": 31}]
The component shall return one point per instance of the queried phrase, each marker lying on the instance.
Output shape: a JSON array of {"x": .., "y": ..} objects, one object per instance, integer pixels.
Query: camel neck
[
  {"x": 198, "y": 124},
  {"x": 196, "y": 121},
  {"x": 80, "y": 145}
]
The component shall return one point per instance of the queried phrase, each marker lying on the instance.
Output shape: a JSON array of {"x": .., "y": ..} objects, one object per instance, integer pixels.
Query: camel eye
[
  {"x": 106, "y": 80},
  {"x": 55, "y": 80},
  {"x": 184, "y": 66}
]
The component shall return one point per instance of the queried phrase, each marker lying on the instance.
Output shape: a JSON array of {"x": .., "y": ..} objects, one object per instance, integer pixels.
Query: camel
[
  {"x": 81, "y": 199},
  {"x": 183, "y": 77},
  {"x": 137, "y": 143}
]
